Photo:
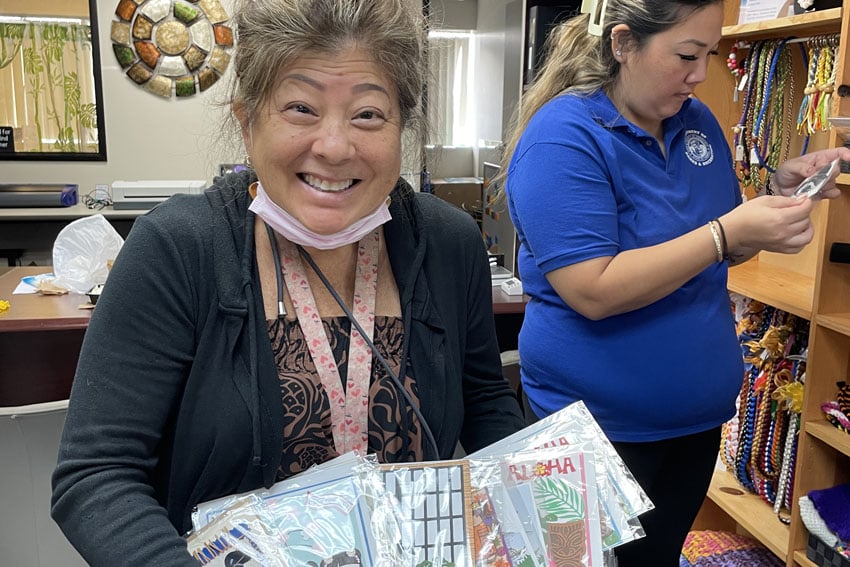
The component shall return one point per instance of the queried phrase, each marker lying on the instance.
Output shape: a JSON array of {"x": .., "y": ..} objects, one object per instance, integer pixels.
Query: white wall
[
  {"x": 499, "y": 30},
  {"x": 455, "y": 14},
  {"x": 147, "y": 137}
]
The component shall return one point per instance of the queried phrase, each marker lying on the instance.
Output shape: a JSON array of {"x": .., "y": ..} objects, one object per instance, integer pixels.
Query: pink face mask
[{"x": 290, "y": 228}]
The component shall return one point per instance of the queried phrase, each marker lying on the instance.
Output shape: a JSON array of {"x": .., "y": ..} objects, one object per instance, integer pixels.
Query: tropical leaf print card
[
  {"x": 620, "y": 496},
  {"x": 572, "y": 425},
  {"x": 562, "y": 487}
]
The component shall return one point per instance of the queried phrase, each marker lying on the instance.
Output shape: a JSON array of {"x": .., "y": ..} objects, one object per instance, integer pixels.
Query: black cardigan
[{"x": 176, "y": 399}]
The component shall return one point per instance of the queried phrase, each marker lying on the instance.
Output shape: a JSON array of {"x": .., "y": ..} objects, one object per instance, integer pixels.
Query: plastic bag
[{"x": 82, "y": 251}]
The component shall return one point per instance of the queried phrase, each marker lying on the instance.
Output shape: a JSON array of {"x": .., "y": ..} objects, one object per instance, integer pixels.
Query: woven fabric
[
  {"x": 832, "y": 505},
  {"x": 708, "y": 548},
  {"x": 814, "y": 523}
]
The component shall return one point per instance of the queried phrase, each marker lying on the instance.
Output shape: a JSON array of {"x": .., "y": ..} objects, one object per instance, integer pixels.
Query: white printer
[{"x": 147, "y": 194}]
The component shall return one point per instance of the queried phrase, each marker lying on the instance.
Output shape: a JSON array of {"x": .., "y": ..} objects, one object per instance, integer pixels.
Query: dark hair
[{"x": 577, "y": 61}]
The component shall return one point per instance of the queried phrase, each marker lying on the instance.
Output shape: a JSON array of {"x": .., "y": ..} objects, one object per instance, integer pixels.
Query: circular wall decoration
[{"x": 172, "y": 47}]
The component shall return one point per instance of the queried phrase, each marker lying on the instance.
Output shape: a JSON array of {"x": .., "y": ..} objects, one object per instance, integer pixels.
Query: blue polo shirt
[{"x": 585, "y": 183}]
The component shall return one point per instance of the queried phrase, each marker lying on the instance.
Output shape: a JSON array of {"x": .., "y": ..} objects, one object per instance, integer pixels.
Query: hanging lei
[
  {"x": 810, "y": 93},
  {"x": 768, "y": 134},
  {"x": 791, "y": 397},
  {"x": 826, "y": 84},
  {"x": 754, "y": 324},
  {"x": 763, "y": 134},
  {"x": 744, "y": 127},
  {"x": 779, "y": 391},
  {"x": 782, "y": 114}
]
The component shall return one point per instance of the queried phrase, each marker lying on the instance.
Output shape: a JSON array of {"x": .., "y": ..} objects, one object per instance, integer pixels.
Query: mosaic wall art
[{"x": 172, "y": 47}]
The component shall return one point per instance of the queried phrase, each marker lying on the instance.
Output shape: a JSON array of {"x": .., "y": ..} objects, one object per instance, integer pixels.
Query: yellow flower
[{"x": 4, "y": 305}]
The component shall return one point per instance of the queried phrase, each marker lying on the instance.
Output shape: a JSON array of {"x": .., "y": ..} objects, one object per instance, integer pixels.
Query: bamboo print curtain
[{"x": 47, "y": 87}]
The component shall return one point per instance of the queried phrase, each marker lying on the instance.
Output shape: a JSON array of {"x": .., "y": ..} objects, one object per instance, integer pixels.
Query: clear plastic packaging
[
  {"x": 557, "y": 488},
  {"x": 620, "y": 495},
  {"x": 433, "y": 499},
  {"x": 330, "y": 515},
  {"x": 499, "y": 539},
  {"x": 83, "y": 251},
  {"x": 239, "y": 535}
]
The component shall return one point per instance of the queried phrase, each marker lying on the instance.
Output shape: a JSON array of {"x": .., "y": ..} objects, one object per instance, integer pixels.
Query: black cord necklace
[{"x": 281, "y": 313}]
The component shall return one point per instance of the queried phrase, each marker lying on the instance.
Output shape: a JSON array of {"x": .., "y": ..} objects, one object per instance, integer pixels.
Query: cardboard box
[
  {"x": 464, "y": 192},
  {"x": 760, "y": 10}
]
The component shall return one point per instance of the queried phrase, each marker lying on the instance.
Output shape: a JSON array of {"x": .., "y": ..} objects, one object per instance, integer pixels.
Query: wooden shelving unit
[
  {"x": 782, "y": 288},
  {"x": 749, "y": 511},
  {"x": 806, "y": 285}
]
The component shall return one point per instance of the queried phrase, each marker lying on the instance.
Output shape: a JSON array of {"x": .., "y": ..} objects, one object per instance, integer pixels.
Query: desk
[
  {"x": 40, "y": 340},
  {"x": 41, "y": 336},
  {"x": 509, "y": 311},
  {"x": 36, "y": 228}
]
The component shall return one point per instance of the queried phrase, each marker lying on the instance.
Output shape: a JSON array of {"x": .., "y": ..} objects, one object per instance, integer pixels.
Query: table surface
[
  {"x": 35, "y": 312},
  {"x": 63, "y": 213},
  {"x": 504, "y": 303}
]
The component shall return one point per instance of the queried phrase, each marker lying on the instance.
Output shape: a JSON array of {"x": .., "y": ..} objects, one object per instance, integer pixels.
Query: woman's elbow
[{"x": 590, "y": 308}]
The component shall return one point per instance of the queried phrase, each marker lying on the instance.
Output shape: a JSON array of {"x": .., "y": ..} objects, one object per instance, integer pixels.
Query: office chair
[{"x": 29, "y": 444}]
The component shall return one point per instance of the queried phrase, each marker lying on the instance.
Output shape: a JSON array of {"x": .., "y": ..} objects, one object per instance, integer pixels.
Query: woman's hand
[
  {"x": 791, "y": 173},
  {"x": 773, "y": 223}
]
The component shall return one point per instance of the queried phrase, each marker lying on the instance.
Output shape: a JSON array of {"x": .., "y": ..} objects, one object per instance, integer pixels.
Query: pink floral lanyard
[{"x": 349, "y": 408}]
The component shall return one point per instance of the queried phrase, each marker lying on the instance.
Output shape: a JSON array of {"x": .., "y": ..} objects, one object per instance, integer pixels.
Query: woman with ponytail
[{"x": 623, "y": 193}]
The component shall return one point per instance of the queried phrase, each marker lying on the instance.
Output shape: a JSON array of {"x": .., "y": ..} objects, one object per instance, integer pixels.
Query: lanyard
[{"x": 349, "y": 408}]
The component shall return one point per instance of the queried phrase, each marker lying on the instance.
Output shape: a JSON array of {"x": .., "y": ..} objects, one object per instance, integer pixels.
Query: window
[{"x": 450, "y": 88}]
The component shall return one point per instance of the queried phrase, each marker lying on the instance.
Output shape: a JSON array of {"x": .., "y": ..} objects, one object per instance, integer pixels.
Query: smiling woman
[{"x": 50, "y": 91}]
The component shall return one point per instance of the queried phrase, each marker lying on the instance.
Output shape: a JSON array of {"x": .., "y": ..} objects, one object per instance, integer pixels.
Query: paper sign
[
  {"x": 7, "y": 140},
  {"x": 760, "y": 10}
]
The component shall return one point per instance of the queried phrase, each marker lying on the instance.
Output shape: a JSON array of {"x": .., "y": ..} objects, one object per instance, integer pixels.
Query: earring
[
  {"x": 618, "y": 53},
  {"x": 247, "y": 161}
]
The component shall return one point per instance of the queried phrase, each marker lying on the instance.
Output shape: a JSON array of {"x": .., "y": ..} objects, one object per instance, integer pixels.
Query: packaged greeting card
[
  {"x": 435, "y": 503},
  {"x": 620, "y": 496},
  {"x": 324, "y": 516},
  {"x": 560, "y": 487},
  {"x": 499, "y": 539},
  {"x": 239, "y": 536}
]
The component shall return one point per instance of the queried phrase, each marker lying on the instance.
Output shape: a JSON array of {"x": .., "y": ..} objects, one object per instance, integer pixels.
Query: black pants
[{"x": 675, "y": 474}]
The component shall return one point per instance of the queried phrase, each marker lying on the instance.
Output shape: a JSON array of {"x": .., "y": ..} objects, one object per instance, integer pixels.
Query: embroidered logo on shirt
[{"x": 698, "y": 149}]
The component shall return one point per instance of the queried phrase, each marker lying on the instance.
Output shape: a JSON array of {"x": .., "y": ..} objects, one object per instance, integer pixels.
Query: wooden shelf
[
  {"x": 801, "y": 559},
  {"x": 781, "y": 288},
  {"x": 838, "y": 322},
  {"x": 750, "y": 512},
  {"x": 812, "y": 23},
  {"x": 829, "y": 434}
]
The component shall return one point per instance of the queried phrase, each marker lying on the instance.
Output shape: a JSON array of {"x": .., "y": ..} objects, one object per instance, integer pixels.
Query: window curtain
[
  {"x": 450, "y": 111},
  {"x": 47, "y": 86}
]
